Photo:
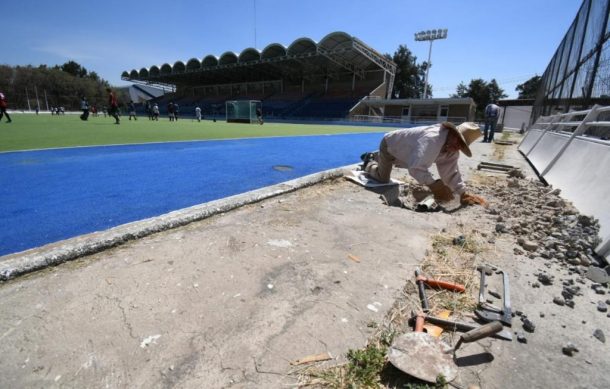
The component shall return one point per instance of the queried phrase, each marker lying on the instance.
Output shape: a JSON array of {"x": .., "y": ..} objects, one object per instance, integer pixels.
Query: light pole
[{"x": 430, "y": 36}]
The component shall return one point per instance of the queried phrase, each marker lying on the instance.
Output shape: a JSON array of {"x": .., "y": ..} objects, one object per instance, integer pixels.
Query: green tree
[
  {"x": 481, "y": 92},
  {"x": 528, "y": 89},
  {"x": 409, "y": 78},
  {"x": 74, "y": 69},
  {"x": 63, "y": 85}
]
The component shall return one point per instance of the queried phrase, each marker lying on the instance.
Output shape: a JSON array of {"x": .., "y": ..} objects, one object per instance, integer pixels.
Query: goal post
[{"x": 243, "y": 111}]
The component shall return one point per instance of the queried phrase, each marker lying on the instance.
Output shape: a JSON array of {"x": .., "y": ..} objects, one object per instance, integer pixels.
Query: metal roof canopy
[{"x": 304, "y": 59}]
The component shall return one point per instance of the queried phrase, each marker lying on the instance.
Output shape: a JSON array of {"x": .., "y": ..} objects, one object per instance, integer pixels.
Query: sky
[{"x": 507, "y": 40}]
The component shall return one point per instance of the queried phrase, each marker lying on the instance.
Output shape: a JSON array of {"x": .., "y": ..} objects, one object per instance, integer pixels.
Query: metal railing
[{"x": 415, "y": 120}]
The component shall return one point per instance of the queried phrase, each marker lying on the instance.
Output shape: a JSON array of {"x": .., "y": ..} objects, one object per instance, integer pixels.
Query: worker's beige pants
[{"x": 381, "y": 169}]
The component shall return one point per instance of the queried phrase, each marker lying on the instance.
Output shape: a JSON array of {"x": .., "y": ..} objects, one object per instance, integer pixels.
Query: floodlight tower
[{"x": 431, "y": 36}]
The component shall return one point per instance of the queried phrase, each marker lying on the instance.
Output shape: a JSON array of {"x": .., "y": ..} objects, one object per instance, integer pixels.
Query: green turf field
[{"x": 28, "y": 132}]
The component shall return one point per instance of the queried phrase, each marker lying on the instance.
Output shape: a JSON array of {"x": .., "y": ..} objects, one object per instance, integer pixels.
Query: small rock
[
  {"x": 530, "y": 246},
  {"x": 602, "y": 307},
  {"x": 500, "y": 227},
  {"x": 608, "y": 301},
  {"x": 459, "y": 241},
  {"x": 545, "y": 279},
  {"x": 559, "y": 301},
  {"x": 541, "y": 314},
  {"x": 600, "y": 291},
  {"x": 535, "y": 285},
  {"x": 597, "y": 274},
  {"x": 521, "y": 337},
  {"x": 569, "y": 349},
  {"x": 495, "y": 294},
  {"x": 570, "y": 303},
  {"x": 599, "y": 335},
  {"x": 528, "y": 325}
]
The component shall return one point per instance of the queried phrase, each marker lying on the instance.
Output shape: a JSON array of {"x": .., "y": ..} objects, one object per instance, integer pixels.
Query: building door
[
  {"x": 443, "y": 113},
  {"x": 405, "y": 115}
]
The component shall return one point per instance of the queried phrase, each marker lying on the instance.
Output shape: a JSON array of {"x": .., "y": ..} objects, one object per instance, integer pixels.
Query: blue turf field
[{"x": 50, "y": 195}]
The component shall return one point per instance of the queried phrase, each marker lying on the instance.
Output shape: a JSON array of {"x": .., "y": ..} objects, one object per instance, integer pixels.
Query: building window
[{"x": 405, "y": 111}]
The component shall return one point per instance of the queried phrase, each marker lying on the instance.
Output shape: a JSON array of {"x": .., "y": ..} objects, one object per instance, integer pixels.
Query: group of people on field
[{"x": 113, "y": 108}]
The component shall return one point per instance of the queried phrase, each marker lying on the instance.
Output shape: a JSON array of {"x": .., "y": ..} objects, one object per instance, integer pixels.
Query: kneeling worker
[{"x": 418, "y": 148}]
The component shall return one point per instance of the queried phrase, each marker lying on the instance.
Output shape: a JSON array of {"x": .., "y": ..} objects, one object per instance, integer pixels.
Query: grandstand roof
[{"x": 336, "y": 53}]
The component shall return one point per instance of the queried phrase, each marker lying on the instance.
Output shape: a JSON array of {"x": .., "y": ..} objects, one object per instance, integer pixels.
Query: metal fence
[{"x": 578, "y": 75}]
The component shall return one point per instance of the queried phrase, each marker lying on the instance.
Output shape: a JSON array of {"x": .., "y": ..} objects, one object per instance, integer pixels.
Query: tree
[
  {"x": 409, "y": 78},
  {"x": 94, "y": 76},
  {"x": 460, "y": 91},
  {"x": 528, "y": 89},
  {"x": 62, "y": 85},
  {"x": 74, "y": 69},
  {"x": 481, "y": 92}
]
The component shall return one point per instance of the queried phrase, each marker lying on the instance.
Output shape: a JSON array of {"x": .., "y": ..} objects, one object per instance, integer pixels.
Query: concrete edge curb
[{"x": 18, "y": 264}]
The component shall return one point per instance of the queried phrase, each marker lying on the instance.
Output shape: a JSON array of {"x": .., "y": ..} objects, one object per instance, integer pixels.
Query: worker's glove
[
  {"x": 441, "y": 191},
  {"x": 468, "y": 199}
]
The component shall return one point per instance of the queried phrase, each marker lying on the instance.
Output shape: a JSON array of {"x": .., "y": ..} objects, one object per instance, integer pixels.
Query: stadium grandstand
[{"x": 306, "y": 80}]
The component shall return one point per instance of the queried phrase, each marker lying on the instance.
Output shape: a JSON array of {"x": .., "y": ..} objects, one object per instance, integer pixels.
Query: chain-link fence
[{"x": 578, "y": 75}]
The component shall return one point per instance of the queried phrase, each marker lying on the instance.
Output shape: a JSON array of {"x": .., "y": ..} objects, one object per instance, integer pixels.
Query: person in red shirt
[
  {"x": 113, "y": 106},
  {"x": 3, "y": 106}
]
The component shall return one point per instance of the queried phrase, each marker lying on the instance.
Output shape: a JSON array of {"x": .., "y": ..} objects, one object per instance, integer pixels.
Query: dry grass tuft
[{"x": 453, "y": 262}]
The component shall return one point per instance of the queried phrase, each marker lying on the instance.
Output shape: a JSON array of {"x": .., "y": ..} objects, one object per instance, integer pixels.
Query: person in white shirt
[
  {"x": 418, "y": 148},
  {"x": 198, "y": 113},
  {"x": 492, "y": 114},
  {"x": 155, "y": 111}
]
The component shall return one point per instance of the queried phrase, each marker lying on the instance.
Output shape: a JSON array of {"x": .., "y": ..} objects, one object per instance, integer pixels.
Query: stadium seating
[{"x": 291, "y": 104}]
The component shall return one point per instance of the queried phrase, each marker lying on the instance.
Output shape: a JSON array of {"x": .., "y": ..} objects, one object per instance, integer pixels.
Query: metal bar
[
  {"x": 597, "y": 124},
  {"x": 497, "y": 164},
  {"x": 567, "y": 123}
]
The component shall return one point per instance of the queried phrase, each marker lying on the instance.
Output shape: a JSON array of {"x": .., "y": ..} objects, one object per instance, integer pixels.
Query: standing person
[
  {"x": 170, "y": 111},
  {"x": 113, "y": 106},
  {"x": 84, "y": 106},
  {"x": 492, "y": 113},
  {"x": 418, "y": 148},
  {"x": 132, "y": 111},
  {"x": 3, "y": 106},
  {"x": 259, "y": 115},
  {"x": 198, "y": 113},
  {"x": 155, "y": 112},
  {"x": 176, "y": 111},
  {"x": 149, "y": 111}
]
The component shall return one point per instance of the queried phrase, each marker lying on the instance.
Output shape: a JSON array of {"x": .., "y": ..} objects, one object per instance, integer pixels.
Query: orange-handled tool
[
  {"x": 441, "y": 284},
  {"x": 420, "y": 320}
]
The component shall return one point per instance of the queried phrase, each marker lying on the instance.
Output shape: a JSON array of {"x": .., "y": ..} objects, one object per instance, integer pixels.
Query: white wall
[{"x": 516, "y": 116}]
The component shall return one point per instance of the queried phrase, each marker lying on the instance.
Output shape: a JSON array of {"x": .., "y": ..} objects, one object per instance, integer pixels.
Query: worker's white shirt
[{"x": 418, "y": 148}]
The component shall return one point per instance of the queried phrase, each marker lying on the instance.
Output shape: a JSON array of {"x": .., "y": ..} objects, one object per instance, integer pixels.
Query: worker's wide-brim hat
[{"x": 467, "y": 132}]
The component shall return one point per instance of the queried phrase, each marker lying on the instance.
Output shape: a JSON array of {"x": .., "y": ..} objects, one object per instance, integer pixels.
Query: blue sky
[{"x": 509, "y": 40}]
